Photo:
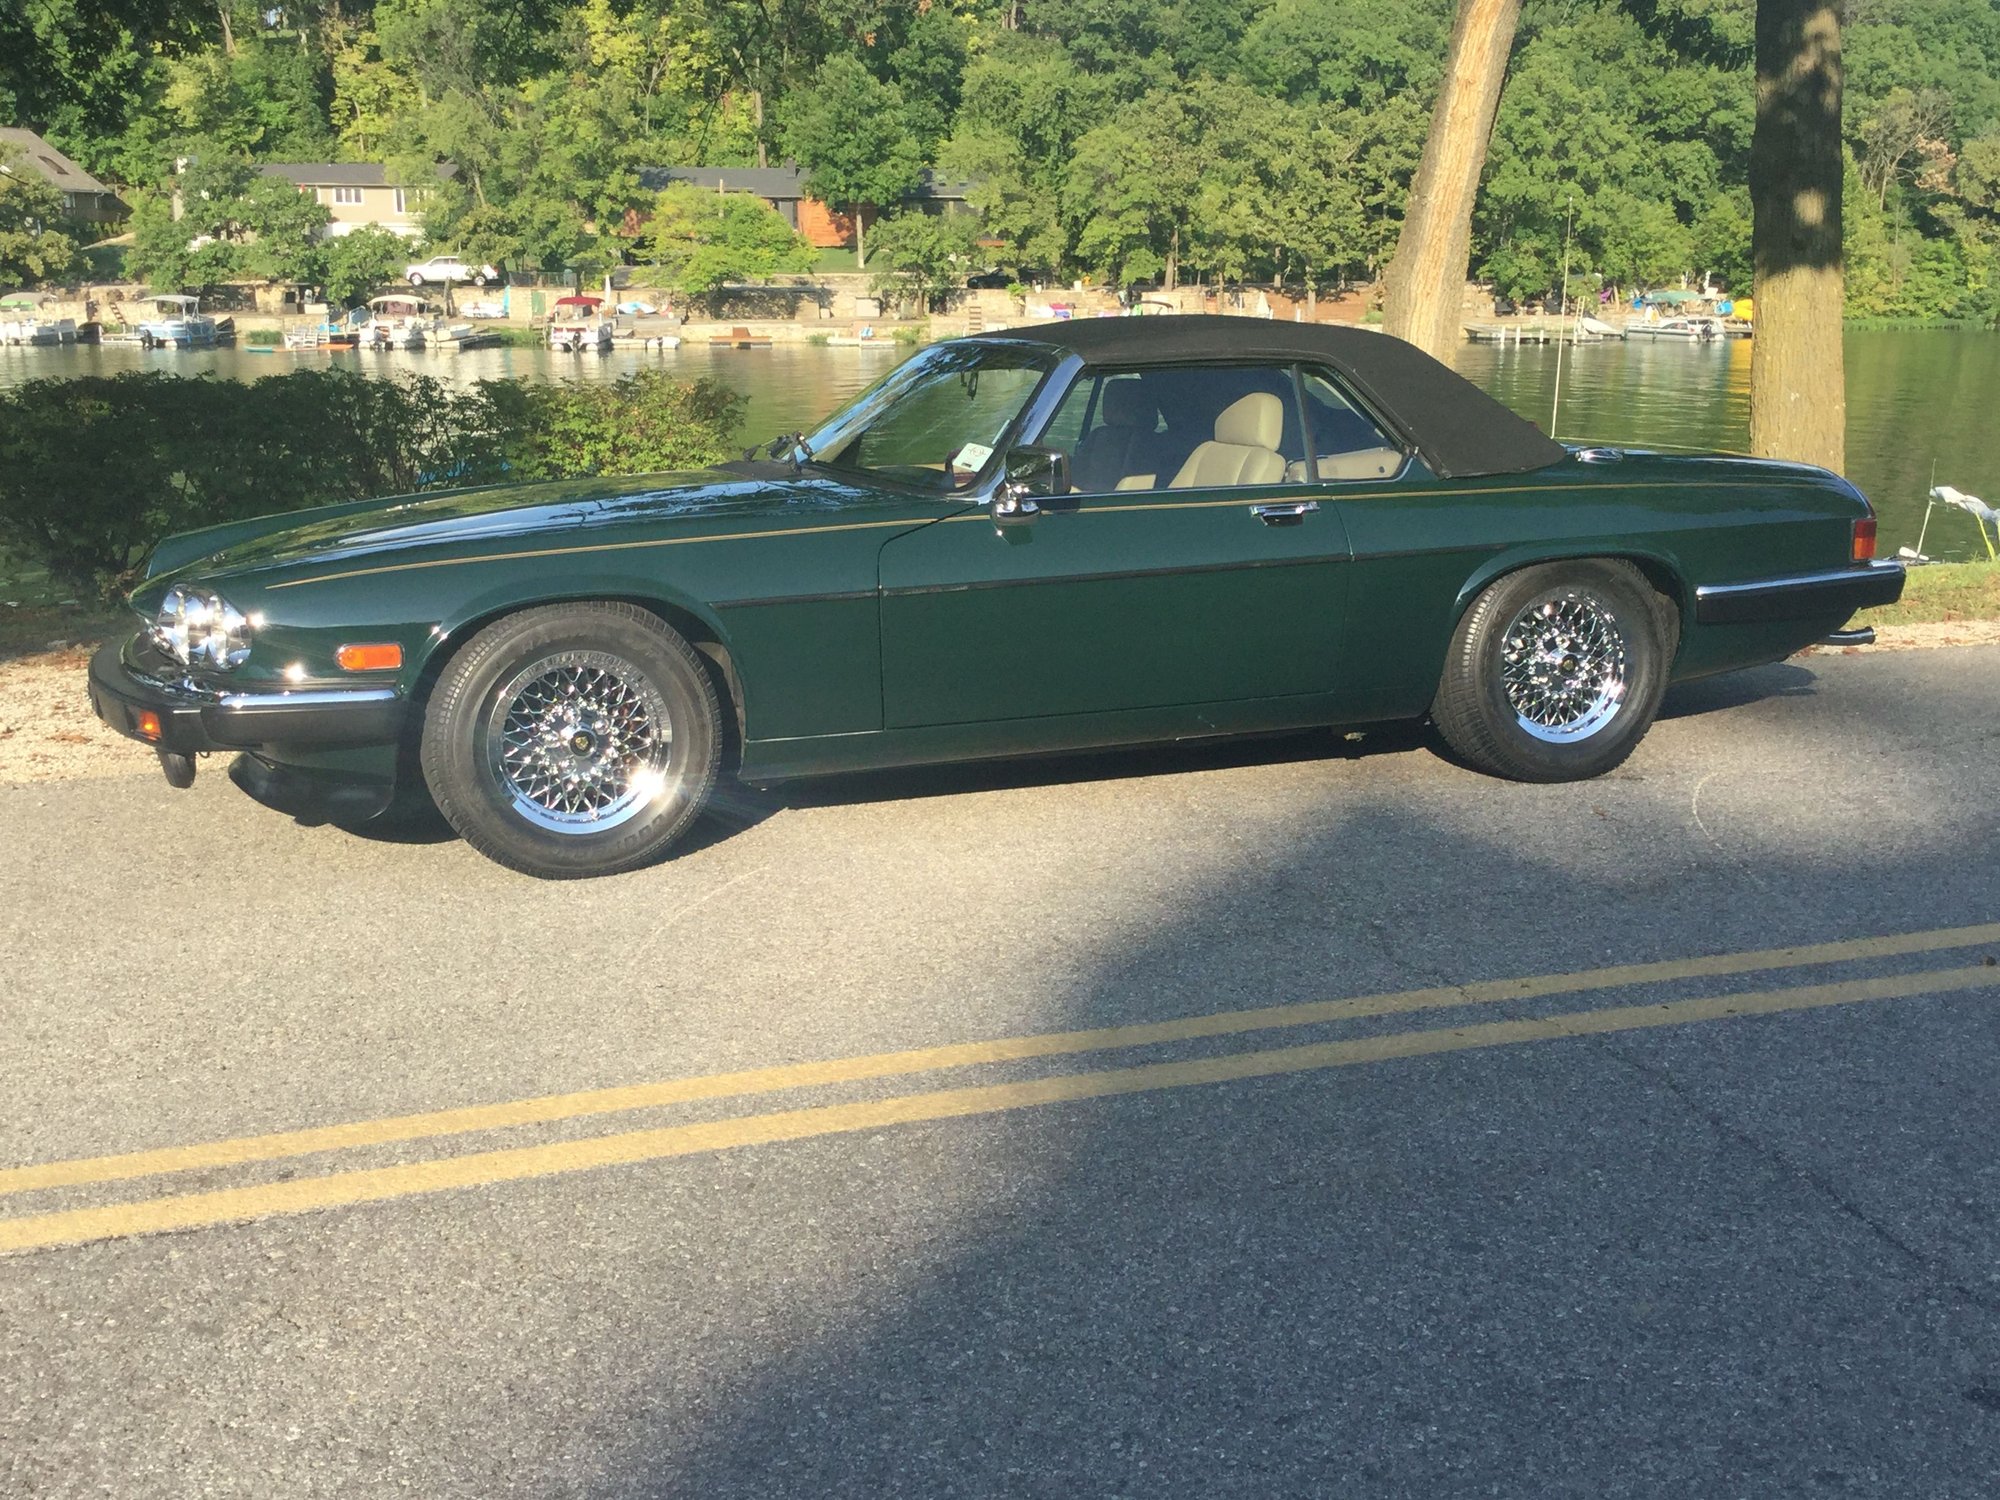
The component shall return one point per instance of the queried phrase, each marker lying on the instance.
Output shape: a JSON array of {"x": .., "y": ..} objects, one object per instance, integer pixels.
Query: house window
[
  {"x": 347, "y": 195},
  {"x": 402, "y": 203}
]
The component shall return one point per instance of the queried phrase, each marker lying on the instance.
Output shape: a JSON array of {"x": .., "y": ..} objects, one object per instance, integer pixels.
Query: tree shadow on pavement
[{"x": 1650, "y": 1263}]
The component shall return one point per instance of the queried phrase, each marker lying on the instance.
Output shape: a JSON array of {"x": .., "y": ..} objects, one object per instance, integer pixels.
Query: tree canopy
[{"x": 1132, "y": 140}]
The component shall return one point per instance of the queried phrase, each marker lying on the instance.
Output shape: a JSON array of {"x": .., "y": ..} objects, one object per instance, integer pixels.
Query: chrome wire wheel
[
  {"x": 1565, "y": 666},
  {"x": 579, "y": 742}
]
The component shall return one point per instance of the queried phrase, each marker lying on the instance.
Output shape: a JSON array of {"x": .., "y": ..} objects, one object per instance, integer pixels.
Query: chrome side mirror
[{"x": 1028, "y": 476}]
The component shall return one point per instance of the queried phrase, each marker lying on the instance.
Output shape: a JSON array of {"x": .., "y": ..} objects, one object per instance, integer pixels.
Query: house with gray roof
[
  {"x": 84, "y": 197},
  {"x": 359, "y": 193}
]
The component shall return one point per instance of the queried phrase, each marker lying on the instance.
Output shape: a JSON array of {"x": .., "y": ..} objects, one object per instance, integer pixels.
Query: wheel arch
[
  {"x": 1667, "y": 579},
  {"x": 699, "y": 628}
]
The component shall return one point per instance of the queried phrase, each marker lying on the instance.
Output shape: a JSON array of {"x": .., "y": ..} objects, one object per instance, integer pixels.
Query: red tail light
[{"x": 1864, "y": 539}]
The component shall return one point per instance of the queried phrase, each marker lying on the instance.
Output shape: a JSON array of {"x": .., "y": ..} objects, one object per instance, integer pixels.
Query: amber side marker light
[
  {"x": 149, "y": 724},
  {"x": 376, "y": 658},
  {"x": 1864, "y": 539}
]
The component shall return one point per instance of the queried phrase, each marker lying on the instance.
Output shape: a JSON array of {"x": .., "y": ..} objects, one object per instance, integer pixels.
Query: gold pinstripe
[{"x": 980, "y": 515}]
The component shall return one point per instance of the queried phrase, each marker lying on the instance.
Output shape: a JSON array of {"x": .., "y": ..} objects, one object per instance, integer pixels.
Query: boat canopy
[
  {"x": 587, "y": 304},
  {"x": 178, "y": 300},
  {"x": 396, "y": 304}
]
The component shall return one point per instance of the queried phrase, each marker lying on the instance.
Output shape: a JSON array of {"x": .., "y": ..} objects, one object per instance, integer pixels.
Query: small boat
[
  {"x": 179, "y": 323},
  {"x": 397, "y": 321},
  {"x": 1686, "y": 330},
  {"x": 578, "y": 324},
  {"x": 451, "y": 338}
]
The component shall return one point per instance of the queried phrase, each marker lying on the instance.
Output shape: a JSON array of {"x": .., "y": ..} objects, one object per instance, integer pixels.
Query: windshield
[{"x": 937, "y": 420}]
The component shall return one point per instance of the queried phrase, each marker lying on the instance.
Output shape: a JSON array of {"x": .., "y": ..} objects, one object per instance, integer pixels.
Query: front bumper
[
  {"x": 193, "y": 719},
  {"x": 1835, "y": 594}
]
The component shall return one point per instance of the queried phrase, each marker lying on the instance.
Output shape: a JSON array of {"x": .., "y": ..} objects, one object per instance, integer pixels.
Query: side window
[
  {"x": 1181, "y": 428},
  {"x": 1347, "y": 445}
]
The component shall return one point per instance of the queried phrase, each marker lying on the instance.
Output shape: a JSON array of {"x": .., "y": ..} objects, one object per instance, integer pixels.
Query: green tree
[
  {"x": 34, "y": 244},
  {"x": 234, "y": 224},
  {"x": 696, "y": 241},
  {"x": 921, "y": 257},
  {"x": 850, "y": 134},
  {"x": 356, "y": 263}
]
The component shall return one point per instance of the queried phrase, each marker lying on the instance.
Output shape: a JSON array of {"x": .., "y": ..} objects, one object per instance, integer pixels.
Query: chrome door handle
[{"x": 1286, "y": 513}]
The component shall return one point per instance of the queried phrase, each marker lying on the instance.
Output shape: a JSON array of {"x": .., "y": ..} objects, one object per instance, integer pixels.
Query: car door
[
  {"x": 1189, "y": 566},
  {"x": 1413, "y": 543}
]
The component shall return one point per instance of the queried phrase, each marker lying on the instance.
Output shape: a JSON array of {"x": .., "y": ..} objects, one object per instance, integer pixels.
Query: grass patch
[
  {"x": 517, "y": 338},
  {"x": 263, "y": 338},
  {"x": 1942, "y": 593},
  {"x": 836, "y": 260}
]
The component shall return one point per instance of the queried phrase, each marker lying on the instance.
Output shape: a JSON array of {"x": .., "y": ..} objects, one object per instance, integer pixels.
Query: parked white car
[{"x": 441, "y": 270}]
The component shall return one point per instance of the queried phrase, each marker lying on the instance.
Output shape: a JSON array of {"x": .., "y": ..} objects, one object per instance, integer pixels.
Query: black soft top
[{"x": 1459, "y": 430}]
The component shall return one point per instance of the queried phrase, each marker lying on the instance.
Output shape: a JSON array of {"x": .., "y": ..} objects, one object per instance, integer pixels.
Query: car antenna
[{"x": 1562, "y": 297}]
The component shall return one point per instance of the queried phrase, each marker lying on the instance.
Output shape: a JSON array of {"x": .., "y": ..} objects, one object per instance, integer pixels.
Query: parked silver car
[{"x": 443, "y": 270}]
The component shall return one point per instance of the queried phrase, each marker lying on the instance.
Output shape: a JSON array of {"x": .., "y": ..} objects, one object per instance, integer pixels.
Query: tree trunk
[
  {"x": 757, "y": 114},
  {"x": 1798, "y": 386},
  {"x": 860, "y": 239},
  {"x": 1171, "y": 279},
  {"x": 1426, "y": 276}
]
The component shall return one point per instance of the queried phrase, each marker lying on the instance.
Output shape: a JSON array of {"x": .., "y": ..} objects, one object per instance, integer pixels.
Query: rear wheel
[
  {"x": 416, "y": 278},
  {"x": 573, "y": 740},
  {"x": 1556, "y": 671}
]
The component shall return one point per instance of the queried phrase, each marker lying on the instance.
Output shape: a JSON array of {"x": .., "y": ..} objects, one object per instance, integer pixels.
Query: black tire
[
  {"x": 479, "y": 278},
  {"x": 533, "y": 732},
  {"x": 416, "y": 278},
  {"x": 1509, "y": 706}
]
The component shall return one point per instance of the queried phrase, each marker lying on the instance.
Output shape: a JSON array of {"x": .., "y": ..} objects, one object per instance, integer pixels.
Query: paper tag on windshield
[{"x": 972, "y": 456}]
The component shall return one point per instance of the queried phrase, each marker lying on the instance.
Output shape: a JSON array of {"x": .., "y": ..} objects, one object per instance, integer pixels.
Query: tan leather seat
[
  {"x": 1244, "y": 449},
  {"x": 1111, "y": 452}
]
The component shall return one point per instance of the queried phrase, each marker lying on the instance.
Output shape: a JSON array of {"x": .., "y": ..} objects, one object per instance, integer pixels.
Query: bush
[{"x": 94, "y": 471}]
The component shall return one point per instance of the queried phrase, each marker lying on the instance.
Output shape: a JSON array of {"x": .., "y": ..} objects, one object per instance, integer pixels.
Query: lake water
[{"x": 1918, "y": 403}]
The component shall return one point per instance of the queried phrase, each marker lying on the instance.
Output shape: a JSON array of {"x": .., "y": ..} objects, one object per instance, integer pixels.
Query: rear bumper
[
  {"x": 1836, "y": 593},
  {"x": 194, "y": 719}
]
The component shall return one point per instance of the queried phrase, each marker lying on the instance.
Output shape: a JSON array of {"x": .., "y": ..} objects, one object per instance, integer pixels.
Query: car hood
[{"x": 708, "y": 501}]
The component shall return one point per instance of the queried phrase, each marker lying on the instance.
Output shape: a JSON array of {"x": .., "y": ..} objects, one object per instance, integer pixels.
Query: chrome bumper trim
[
  {"x": 310, "y": 698},
  {"x": 1880, "y": 568}
]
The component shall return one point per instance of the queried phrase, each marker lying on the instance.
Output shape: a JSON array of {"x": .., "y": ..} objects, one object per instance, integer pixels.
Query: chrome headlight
[{"x": 202, "y": 629}]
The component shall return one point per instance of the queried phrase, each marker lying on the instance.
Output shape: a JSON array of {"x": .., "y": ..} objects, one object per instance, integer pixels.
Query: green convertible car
[{"x": 1084, "y": 534}]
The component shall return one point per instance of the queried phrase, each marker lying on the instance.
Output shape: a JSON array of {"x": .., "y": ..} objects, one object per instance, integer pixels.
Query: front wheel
[
  {"x": 479, "y": 278},
  {"x": 1555, "y": 672},
  {"x": 416, "y": 278},
  {"x": 573, "y": 740}
]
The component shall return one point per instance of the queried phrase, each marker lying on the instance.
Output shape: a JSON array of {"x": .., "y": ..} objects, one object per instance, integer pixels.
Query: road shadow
[{"x": 1557, "y": 1269}]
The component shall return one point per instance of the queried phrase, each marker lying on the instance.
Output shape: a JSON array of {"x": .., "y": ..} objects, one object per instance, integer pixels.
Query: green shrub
[
  {"x": 263, "y": 338},
  {"x": 94, "y": 471}
]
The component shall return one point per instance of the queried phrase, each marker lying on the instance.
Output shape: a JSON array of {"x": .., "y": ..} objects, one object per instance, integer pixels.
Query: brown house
[{"x": 84, "y": 197}]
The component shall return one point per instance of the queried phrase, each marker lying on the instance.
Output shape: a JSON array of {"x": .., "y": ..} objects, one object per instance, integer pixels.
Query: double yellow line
[{"x": 485, "y": 1168}]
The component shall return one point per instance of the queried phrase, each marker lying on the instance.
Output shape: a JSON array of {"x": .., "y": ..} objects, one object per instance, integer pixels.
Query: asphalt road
[{"x": 1647, "y": 1227}]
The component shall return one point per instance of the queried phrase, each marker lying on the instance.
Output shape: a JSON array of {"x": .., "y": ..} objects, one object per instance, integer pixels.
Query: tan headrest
[
  {"x": 1257, "y": 421},
  {"x": 1126, "y": 404}
]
